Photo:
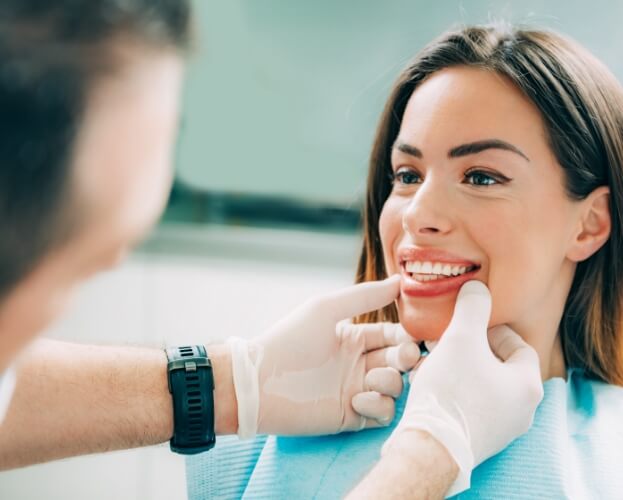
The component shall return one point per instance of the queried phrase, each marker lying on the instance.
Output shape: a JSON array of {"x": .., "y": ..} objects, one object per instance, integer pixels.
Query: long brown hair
[{"x": 581, "y": 104}]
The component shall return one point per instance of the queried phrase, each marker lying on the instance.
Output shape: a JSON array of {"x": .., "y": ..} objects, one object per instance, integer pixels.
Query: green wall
[{"x": 282, "y": 97}]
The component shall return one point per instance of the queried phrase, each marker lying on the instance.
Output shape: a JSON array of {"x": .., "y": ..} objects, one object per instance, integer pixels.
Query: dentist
[{"x": 89, "y": 112}]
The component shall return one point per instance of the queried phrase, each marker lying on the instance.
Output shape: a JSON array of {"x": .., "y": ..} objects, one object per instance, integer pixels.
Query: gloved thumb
[
  {"x": 471, "y": 311},
  {"x": 364, "y": 297}
]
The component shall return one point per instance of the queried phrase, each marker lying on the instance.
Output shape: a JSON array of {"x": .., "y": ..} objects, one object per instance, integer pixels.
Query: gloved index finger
[
  {"x": 364, "y": 297},
  {"x": 378, "y": 335},
  {"x": 504, "y": 341},
  {"x": 471, "y": 311},
  {"x": 511, "y": 348},
  {"x": 402, "y": 357}
]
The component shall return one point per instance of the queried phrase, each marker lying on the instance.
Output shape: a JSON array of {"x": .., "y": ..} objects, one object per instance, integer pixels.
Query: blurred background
[{"x": 280, "y": 108}]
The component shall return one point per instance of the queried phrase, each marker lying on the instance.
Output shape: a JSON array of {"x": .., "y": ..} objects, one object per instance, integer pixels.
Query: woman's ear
[{"x": 593, "y": 226}]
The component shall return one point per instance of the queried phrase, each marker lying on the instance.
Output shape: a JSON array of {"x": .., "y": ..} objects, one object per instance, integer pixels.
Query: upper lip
[{"x": 409, "y": 254}]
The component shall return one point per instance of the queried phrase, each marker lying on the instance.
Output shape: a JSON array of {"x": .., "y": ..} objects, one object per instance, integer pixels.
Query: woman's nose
[{"x": 428, "y": 211}]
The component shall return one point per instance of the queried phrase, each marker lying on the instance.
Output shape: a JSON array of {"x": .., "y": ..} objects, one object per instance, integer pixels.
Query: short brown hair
[
  {"x": 50, "y": 54},
  {"x": 581, "y": 104}
]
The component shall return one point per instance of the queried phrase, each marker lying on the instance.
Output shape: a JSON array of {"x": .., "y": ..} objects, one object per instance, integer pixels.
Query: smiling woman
[{"x": 498, "y": 158}]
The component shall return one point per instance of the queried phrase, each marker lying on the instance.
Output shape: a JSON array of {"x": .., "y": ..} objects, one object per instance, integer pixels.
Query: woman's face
[{"x": 477, "y": 194}]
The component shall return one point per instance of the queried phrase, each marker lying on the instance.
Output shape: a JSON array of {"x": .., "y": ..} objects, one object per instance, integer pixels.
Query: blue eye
[
  {"x": 480, "y": 178},
  {"x": 405, "y": 177}
]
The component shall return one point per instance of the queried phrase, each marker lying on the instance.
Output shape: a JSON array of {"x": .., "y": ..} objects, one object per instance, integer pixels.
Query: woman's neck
[
  {"x": 549, "y": 349},
  {"x": 557, "y": 365},
  {"x": 540, "y": 328}
]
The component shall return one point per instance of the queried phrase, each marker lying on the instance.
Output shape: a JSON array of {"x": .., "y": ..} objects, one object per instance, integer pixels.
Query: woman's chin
[{"x": 424, "y": 326}]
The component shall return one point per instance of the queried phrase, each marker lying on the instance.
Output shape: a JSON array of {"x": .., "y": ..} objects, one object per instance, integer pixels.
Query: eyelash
[{"x": 498, "y": 179}]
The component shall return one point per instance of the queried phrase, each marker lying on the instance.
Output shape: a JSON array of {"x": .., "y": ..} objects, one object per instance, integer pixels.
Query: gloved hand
[
  {"x": 312, "y": 373},
  {"x": 472, "y": 400}
]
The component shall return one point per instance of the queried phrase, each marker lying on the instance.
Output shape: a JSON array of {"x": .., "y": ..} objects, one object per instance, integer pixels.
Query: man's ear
[{"x": 594, "y": 225}]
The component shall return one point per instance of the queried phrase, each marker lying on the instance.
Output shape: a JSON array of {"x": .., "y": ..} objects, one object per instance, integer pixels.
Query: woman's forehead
[{"x": 462, "y": 104}]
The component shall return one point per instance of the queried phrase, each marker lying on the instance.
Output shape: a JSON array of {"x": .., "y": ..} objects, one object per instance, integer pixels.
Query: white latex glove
[
  {"x": 472, "y": 400},
  {"x": 312, "y": 373}
]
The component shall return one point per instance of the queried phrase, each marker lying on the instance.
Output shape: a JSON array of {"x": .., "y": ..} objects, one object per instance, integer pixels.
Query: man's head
[{"x": 89, "y": 98}]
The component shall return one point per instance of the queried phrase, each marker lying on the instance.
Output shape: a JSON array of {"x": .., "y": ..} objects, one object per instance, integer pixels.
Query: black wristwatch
[{"x": 191, "y": 384}]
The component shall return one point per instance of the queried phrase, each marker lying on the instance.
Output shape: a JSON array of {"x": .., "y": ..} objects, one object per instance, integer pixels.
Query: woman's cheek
[
  {"x": 390, "y": 228},
  {"x": 507, "y": 288}
]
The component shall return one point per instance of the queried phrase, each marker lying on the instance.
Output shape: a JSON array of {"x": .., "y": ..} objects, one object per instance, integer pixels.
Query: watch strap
[{"x": 191, "y": 384}]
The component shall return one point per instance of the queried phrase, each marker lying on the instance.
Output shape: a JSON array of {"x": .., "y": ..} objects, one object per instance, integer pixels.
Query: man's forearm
[
  {"x": 75, "y": 399},
  {"x": 419, "y": 468}
]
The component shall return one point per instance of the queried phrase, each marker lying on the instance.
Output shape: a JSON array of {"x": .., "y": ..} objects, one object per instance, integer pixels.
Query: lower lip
[{"x": 414, "y": 288}]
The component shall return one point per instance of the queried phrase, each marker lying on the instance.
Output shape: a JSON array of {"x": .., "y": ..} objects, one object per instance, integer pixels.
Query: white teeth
[
  {"x": 428, "y": 277},
  {"x": 433, "y": 270}
]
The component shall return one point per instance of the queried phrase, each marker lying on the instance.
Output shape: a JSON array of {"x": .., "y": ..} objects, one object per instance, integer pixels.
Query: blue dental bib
[{"x": 573, "y": 450}]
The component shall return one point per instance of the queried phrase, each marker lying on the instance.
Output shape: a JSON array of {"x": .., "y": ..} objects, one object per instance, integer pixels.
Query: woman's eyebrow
[
  {"x": 464, "y": 149},
  {"x": 408, "y": 149},
  {"x": 478, "y": 146}
]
